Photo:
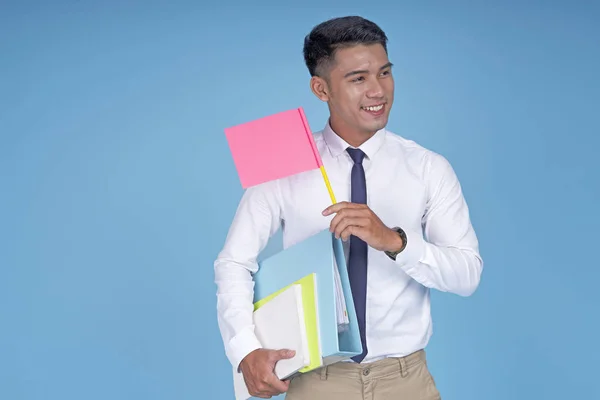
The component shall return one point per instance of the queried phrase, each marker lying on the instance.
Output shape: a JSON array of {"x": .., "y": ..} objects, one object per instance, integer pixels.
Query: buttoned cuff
[
  {"x": 241, "y": 345},
  {"x": 413, "y": 252}
]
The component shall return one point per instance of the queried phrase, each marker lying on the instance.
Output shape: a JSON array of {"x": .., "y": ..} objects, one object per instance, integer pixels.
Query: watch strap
[{"x": 393, "y": 254}]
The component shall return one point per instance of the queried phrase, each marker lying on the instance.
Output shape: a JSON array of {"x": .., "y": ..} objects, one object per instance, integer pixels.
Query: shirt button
[{"x": 366, "y": 372}]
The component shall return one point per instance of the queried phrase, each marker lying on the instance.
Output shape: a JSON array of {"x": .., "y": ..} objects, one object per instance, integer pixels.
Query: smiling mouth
[{"x": 374, "y": 111}]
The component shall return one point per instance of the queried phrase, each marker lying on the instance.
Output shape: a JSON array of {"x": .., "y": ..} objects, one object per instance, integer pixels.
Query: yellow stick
[
  {"x": 328, "y": 184},
  {"x": 330, "y": 190}
]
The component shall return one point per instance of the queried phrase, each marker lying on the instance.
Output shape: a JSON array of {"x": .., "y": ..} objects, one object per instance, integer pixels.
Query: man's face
[{"x": 359, "y": 89}]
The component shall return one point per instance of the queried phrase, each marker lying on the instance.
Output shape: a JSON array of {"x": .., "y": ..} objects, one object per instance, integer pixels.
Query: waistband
[{"x": 377, "y": 369}]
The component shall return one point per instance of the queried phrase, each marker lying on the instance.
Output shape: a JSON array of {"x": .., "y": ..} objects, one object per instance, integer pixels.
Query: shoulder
[
  {"x": 264, "y": 196},
  {"x": 422, "y": 160},
  {"x": 318, "y": 138}
]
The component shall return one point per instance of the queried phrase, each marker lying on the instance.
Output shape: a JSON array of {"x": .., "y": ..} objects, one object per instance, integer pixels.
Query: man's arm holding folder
[{"x": 257, "y": 218}]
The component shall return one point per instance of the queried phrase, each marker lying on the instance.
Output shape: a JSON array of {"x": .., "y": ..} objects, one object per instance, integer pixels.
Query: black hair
[{"x": 322, "y": 42}]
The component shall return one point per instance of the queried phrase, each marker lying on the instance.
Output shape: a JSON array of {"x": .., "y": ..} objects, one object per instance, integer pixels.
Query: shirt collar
[{"x": 337, "y": 145}]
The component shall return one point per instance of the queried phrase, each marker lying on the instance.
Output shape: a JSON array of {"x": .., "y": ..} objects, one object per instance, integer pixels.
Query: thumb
[{"x": 285, "y": 353}]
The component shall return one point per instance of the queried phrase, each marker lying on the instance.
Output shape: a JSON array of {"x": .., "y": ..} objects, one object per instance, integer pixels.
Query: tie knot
[{"x": 357, "y": 155}]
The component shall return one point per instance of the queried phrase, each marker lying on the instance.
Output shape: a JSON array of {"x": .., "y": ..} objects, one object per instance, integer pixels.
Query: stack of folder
[{"x": 303, "y": 302}]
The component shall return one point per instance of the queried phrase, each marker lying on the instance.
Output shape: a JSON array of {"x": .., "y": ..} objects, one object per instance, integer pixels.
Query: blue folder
[{"x": 319, "y": 254}]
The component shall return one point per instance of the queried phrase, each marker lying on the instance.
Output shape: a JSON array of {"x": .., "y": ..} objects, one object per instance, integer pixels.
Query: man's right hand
[{"x": 258, "y": 370}]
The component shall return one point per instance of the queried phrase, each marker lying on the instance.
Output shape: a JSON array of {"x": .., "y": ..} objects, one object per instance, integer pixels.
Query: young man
[{"x": 402, "y": 215}]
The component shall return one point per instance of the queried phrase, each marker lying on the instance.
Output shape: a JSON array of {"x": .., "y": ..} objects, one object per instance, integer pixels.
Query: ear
[{"x": 320, "y": 88}]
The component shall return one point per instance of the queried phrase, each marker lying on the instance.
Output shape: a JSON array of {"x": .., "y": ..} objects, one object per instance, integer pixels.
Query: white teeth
[{"x": 376, "y": 108}]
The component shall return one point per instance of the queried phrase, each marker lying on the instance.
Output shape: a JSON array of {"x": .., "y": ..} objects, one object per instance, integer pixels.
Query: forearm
[
  {"x": 444, "y": 254},
  {"x": 256, "y": 219},
  {"x": 234, "y": 308},
  {"x": 450, "y": 268}
]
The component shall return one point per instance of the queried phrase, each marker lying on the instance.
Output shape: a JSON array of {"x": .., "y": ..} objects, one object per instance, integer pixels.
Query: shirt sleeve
[
  {"x": 256, "y": 219},
  {"x": 445, "y": 254}
]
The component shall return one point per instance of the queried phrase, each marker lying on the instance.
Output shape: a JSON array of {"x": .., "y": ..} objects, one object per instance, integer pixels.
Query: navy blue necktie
[{"x": 357, "y": 260}]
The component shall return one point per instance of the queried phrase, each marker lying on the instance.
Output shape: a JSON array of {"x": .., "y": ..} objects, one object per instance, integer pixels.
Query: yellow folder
[{"x": 309, "y": 303}]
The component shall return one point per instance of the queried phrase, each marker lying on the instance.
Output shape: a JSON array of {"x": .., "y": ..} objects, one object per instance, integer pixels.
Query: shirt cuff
[
  {"x": 413, "y": 252},
  {"x": 241, "y": 345}
]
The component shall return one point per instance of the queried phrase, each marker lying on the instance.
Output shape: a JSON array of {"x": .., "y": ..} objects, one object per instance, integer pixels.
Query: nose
[{"x": 375, "y": 90}]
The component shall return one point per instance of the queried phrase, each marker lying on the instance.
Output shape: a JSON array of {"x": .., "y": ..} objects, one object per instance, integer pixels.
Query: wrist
[
  {"x": 394, "y": 242},
  {"x": 247, "y": 359},
  {"x": 397, "y": 242}
]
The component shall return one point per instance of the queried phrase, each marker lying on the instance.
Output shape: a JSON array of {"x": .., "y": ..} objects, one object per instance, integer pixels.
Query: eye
[
  {"x": 385, "y": 73},
  {"x": 358, "y": 79}
]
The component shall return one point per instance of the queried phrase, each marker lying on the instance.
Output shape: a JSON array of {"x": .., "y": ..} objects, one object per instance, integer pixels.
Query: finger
[
  {"x": 340, "y": 206},
  {"x": 265, "y": 388},
  {"x": 281, "y": 354},
  {"x": 354, "y": 230},
  {"x": 336, "y": 207},
  {"x": 269, "y": 387},
  {"x": 343, "y": 214},
  {"x": 263, "y": 391},
  {"x": 361, "y": 222},
  {"x": 266, "y": 394},
  {"x": 278, "y": 385},
  {"x": 332, "y": 209}
]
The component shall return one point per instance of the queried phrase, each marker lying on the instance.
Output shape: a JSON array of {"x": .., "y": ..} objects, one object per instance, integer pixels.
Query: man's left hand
[{"x": 359, "y": 220}]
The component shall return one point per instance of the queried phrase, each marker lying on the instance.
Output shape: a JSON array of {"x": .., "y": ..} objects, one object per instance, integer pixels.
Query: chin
[{"x": 376, "y": 125}]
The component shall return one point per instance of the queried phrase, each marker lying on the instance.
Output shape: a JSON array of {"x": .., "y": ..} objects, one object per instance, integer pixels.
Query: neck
[{"x": 351, "y": 136}]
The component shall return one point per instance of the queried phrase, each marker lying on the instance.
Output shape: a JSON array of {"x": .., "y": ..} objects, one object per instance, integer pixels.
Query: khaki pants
[{"x": 405, "y": 378}]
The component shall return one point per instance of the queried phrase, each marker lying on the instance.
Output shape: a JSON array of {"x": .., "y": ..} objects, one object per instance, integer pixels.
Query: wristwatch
[{"x": 393, "y": 254}]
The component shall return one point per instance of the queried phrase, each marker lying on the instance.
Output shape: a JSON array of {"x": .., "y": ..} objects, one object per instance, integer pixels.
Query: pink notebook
[{"x": 273, "y": 147}]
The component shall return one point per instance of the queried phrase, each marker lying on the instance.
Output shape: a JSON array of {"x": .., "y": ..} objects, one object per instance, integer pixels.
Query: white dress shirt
[{"x": 408, "y": 186}]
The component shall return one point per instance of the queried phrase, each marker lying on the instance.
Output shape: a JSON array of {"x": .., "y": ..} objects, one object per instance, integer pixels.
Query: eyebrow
[{"x": 364, "y": 71}]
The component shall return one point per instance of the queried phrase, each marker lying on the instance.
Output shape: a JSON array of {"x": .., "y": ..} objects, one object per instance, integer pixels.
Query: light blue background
[{"x": 117, "y": 186}]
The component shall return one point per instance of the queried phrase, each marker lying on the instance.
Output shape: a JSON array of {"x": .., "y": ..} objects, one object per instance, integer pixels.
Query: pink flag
[{"x": 273, "y": 147}]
